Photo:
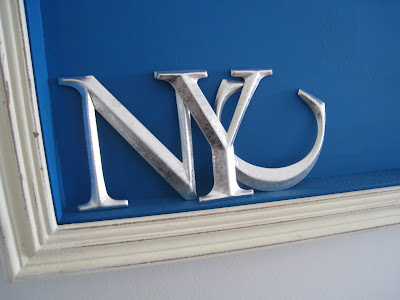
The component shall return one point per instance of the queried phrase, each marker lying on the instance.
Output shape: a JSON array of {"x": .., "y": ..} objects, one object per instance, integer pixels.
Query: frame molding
[{"x": 34, "y": 246}]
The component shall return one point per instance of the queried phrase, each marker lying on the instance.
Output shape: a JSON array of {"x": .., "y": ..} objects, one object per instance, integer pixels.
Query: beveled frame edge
[{"x": 34, "y": 246}]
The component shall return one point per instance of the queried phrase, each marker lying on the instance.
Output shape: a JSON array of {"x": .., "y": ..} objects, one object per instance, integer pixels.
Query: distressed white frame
[{"x": 34, "y": 246}]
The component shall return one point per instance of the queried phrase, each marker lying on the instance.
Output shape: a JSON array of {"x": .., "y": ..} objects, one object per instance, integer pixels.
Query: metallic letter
[
  {"x": 221, "y": 142},
  {"x": 274, "y": 179},
  {"x": 178, "y": 174}
]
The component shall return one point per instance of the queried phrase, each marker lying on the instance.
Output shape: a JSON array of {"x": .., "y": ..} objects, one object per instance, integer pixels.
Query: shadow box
[{"x": 344, "y": 53}]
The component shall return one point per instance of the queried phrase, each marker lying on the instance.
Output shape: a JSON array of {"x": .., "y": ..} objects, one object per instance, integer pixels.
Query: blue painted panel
[{"x": 345, "y": 53}]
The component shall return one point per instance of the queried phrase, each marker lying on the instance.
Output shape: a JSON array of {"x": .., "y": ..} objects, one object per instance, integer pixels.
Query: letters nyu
[{"x": 190, "y": 101}]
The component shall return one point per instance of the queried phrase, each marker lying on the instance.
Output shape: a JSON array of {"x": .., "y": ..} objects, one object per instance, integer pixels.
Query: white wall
[{"x": 358, "y": 266}]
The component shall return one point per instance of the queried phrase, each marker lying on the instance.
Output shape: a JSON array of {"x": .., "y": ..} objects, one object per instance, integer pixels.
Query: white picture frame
[{"x": 33, "y": 245}]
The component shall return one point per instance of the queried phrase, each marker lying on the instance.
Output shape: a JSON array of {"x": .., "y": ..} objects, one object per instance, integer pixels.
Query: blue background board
[{"x": 344, "y": 52}]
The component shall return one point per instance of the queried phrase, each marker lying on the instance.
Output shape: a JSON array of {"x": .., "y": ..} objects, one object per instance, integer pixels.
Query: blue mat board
[{"x": 345, "y": 53}]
